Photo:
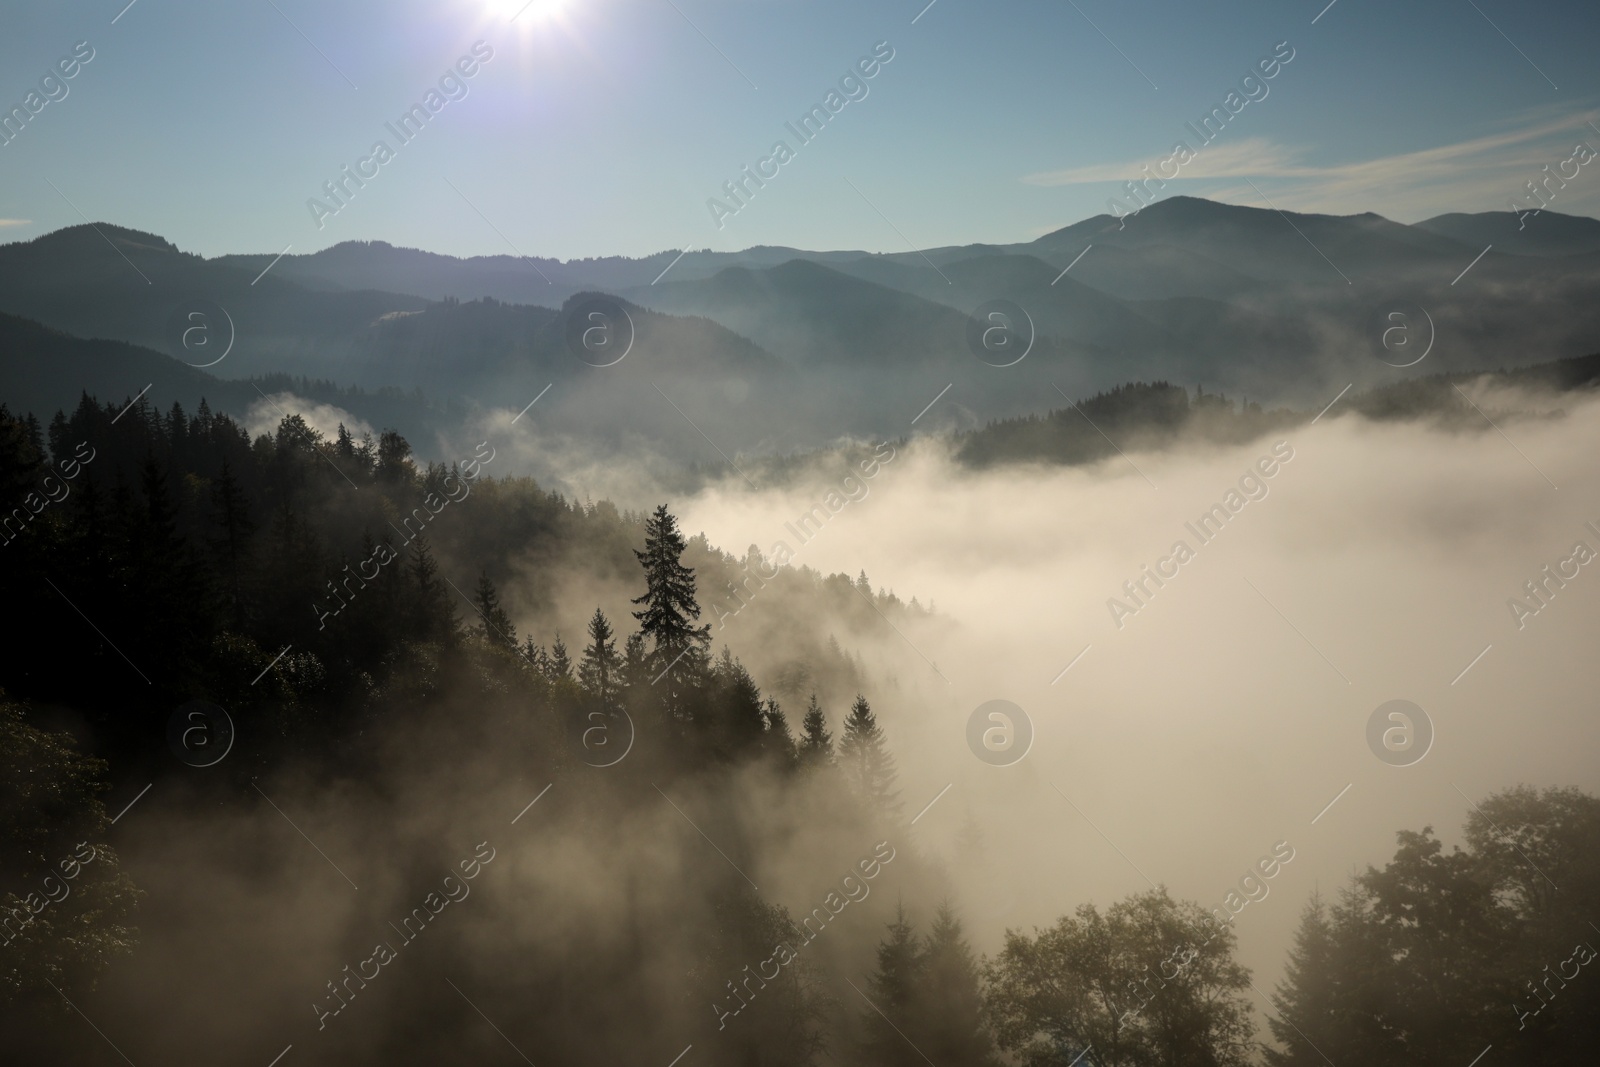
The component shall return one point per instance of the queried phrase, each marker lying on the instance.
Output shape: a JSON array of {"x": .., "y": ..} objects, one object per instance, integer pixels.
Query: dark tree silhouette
[
  {"x": 668, "y": 612},
  {"x": 600, "y": 671},
  {"x": 233, "y": 517},
  {"x": 866, "y": 761},
  {"x": 432, "y": 618},
  {"x": 497, "y": 628},
  {"x": 776, "y": 740},
  {"x": 1440, "y": 953},
  {"x": 764, "y": 1013},
  {"x": 951, "y": 1023},
  {"x": 737, "y": 721},
  {"x": 52, "y": 833},
  {"x": 394, "y": 458},
  {"x": 635, "y": 663},
  {"x": 816, "y": 743},
  {"x": 1144, "y": 984},
  {"x": 893, "y": 991},
  {"x": 560, "y": 660},
  {"x": 325, "y": 640},
  {"x": 1307, "y": 1002}
]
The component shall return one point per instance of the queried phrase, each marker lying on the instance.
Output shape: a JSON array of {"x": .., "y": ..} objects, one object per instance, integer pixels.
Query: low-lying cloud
[
  {"x": 1232, "y": 708},
  {"x": 265, "y": 415}
]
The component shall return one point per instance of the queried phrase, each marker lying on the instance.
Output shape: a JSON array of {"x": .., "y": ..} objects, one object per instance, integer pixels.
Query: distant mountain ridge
[
  {"x": 1201, "y": 228},
  {"x": 1543, "y": 234},
  {"x": 773, "y": 348}
]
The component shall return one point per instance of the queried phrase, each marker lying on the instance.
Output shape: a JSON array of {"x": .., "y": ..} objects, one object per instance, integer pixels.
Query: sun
[{"x": 528, "y": 10}]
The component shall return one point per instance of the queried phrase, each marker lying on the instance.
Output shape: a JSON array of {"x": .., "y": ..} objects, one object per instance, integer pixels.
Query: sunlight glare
[{"x": 528, "y": 10}]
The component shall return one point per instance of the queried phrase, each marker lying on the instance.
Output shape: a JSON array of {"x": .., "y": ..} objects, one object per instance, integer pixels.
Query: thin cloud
[
  {"x": 16, "y": 222},
  {"x": 1476, "y": 174},
  {"x": 1251, "y": 156}
]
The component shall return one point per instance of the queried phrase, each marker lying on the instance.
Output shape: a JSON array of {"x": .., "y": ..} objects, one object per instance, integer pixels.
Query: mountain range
[{"x": 774, "y": 349}]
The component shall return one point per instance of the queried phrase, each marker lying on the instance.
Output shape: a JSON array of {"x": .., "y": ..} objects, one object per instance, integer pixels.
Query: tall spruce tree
[
  {"x": 344, "y": 446},
  {"x": 232, "y": 513},
  {"x": 1306, "y": 1002},
  {"x": 771, "y": 1019},
  {"x": 669, "y": 609},
  {"x": 432, "y": 617},
  {"x": 893, "y": 988},
  {"x": 538, "y": 657},
  {"x": 738, "y": 721},
  {"x": 816, "y": 743},
  {"x": 21, "y": 467},
  {"x": 167, "y": 575},
  {"x": 394, "y": 458},
  {"x": 560, "y": 661},
  {"x": 949, "y": 1016},
  {"x": 600, "y": 671},
  {"x": 777, "y": 742},
  {"x": 497, "y": 628},
  {"x": 635, "y": 664},
  {"x": 866, "y": 761}
]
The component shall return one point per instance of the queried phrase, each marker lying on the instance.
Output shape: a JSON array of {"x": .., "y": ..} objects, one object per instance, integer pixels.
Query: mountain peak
[{"x": 96, "y": 232}]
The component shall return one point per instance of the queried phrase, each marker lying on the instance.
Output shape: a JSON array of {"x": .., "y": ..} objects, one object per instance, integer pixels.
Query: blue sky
[{"x": 603, "y": 126}]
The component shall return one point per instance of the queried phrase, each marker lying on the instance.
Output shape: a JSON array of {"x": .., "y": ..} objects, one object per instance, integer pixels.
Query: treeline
[
  {"x": 1437, "y": 397},
  {"x": 1430, "y": 960},
  {"x": 297, "y": 583},
  {"x": 168, "y": 557},
  {"x": 157, "y": 559},
  {"x": 1136, "y": 415},
  {"x": 1159, "y": 414},
  {"x": 1444, "y": 953}
]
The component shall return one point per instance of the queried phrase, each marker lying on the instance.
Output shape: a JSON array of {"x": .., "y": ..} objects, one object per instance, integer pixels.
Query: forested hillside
[{"x": 351, "y": 615}]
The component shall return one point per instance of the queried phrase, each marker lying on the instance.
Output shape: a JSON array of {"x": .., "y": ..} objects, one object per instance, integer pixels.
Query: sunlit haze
[{"x": 747, "y": 533}]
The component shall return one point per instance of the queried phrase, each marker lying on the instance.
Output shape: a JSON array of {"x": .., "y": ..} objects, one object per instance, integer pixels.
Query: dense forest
[
  {"x": 230, "y": 550},
  {"x": 1160, "y": 414},
  {"x": 351, "y": 614},
  {"x": 1136, "y": 415}
]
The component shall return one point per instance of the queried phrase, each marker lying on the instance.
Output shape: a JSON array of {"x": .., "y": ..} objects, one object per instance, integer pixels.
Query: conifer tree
[
  {"x": 738, "y": 721},
  {"x": 777, "y": 740},
  {"x": 36, "y": 437},
  {"x": 866, "y": 761},
  {"x": 949, "y": 1019},
  {"x": 497, "y": 627},
  {"x": 161, "y": 517},
  {"x": 600, "y": 672},
  {"x": 20, "y": 462},
  {"x": 394, "y": 458},
  {"x": 677, "y": 646},
  {"x": 816, "y": 743},
  {"x": 793, "y": 679},
  {"x": 893, "y": 989},
  {"x": 344, "y": 446},
  {"x": 433, "y": 617},
  {"x": 635, "y": 663},
  {"x": 293, "y": 563},
  {"x": 778, "y": 1019},
  {"x": 166, "y": 575},
  {"x": 233, "y": 518},
  {"x": 366, "y": 454},
  {"x": 560, "y": 661},
  {"x": 1305, "y": 1019}
]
